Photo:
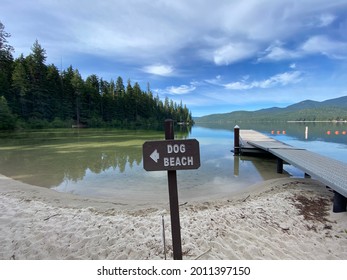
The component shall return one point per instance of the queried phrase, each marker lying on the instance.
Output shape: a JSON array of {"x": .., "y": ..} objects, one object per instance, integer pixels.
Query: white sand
[{"x": 37, "y": 223}]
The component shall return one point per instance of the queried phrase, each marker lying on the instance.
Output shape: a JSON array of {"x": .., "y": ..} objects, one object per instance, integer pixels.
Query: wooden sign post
[
  {"x": 173, "y": 196},
  {"x": 172, "y": 155}
]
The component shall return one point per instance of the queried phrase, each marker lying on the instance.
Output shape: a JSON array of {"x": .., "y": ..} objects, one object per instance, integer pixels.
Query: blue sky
[{"x": 215, "y": 56}]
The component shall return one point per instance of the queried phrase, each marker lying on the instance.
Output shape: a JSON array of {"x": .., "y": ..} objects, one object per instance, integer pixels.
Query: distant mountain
[{"x": 308, "y": 110}]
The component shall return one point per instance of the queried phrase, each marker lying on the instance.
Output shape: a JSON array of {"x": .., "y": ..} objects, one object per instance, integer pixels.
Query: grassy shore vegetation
[{"x": 36, "y": 95}]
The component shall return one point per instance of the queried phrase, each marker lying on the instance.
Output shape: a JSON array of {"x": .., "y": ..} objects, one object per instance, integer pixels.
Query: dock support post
[
  {"x": 236, "y": 166},
  {"x": 279, "y": 165},
  {"x": 236, "y": 140},
  {"x": 340, "y": 203}
]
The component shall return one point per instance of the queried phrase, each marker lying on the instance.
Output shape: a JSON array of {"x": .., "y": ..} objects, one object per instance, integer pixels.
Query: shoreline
[{"x": 278, "y": 219}]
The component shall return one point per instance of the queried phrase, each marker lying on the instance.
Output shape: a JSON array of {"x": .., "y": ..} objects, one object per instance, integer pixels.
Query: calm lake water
[{"x": 108, "y": 163}]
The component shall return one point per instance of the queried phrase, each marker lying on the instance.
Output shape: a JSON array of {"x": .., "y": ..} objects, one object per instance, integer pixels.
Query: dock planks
[{"x": 332, "y": 173}]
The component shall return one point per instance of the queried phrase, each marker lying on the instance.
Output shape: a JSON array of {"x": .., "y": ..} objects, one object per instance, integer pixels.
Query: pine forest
[{"x": 36, "y": 95}]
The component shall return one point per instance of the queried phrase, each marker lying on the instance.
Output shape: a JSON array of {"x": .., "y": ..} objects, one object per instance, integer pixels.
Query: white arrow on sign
[{"x": 155, "y": 155}]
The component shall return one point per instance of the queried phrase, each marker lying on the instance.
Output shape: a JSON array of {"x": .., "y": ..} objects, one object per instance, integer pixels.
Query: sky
[{"x": 216, "y": 56}]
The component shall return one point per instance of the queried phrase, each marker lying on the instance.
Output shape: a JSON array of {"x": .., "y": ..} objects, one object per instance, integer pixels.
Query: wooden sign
[{"x": 171, "y": 155}]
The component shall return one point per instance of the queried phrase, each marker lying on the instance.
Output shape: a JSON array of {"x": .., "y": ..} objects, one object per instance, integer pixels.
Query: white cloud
[
  {"x": 319, "y": 44},
  {"x": 239, "y": 86},
  {"x": 292, "y": 66},
  {"x": 322, "y": 20},
  {"x": 326, "y": 19},
  {"x": 182, "y": 89},
  {"x": 224, "y": 32},
  {"x": 159, "y": 69},
  {"x": 233, "y": 52},
  {"x": 276, "y": 52},
  {"x": 215, "y": 81},
  {"x": 326, "y": 46},
  {"x": 281, "y": 79}
]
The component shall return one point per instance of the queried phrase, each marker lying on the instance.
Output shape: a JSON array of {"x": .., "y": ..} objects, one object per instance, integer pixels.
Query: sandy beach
[{"x": 283, "y": 218}]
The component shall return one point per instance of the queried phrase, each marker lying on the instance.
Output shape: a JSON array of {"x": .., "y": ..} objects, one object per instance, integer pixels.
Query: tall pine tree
[{"x": 6, "y": 63}]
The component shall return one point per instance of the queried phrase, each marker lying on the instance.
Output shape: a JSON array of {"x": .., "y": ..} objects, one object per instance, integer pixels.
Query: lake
[{"x": 108, "y": 162}]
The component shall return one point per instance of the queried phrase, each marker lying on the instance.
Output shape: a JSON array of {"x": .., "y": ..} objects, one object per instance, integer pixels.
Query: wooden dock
[{"x": 332, "y": 173}]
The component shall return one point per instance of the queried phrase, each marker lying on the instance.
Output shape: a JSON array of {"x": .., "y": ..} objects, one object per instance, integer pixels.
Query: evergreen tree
[
  {"x": 40, "y": 108},
  {"x": 82, "y": 109},
  {"x": 55, "y": 92},
  {"x": 94, "y": 103},
  {"x": 130, "y": 107},
  {"x": 120, "y": 89},
  {"x": 68, "y": 95},
  {"x": 6, "y": 63},
  {"x": 20, "y": 88},
  {"x": 137, "y": 101},
  {"x": 7, "y": 120}
]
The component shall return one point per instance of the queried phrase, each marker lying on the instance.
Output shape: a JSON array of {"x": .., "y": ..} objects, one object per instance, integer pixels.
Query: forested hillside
[
  {"x": 308, "y": 110},
  {"x": 34, "y": 94}
]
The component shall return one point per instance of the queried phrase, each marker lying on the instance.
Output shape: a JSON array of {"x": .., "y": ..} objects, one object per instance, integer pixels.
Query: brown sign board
[{"x": 171, "y": 155}]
